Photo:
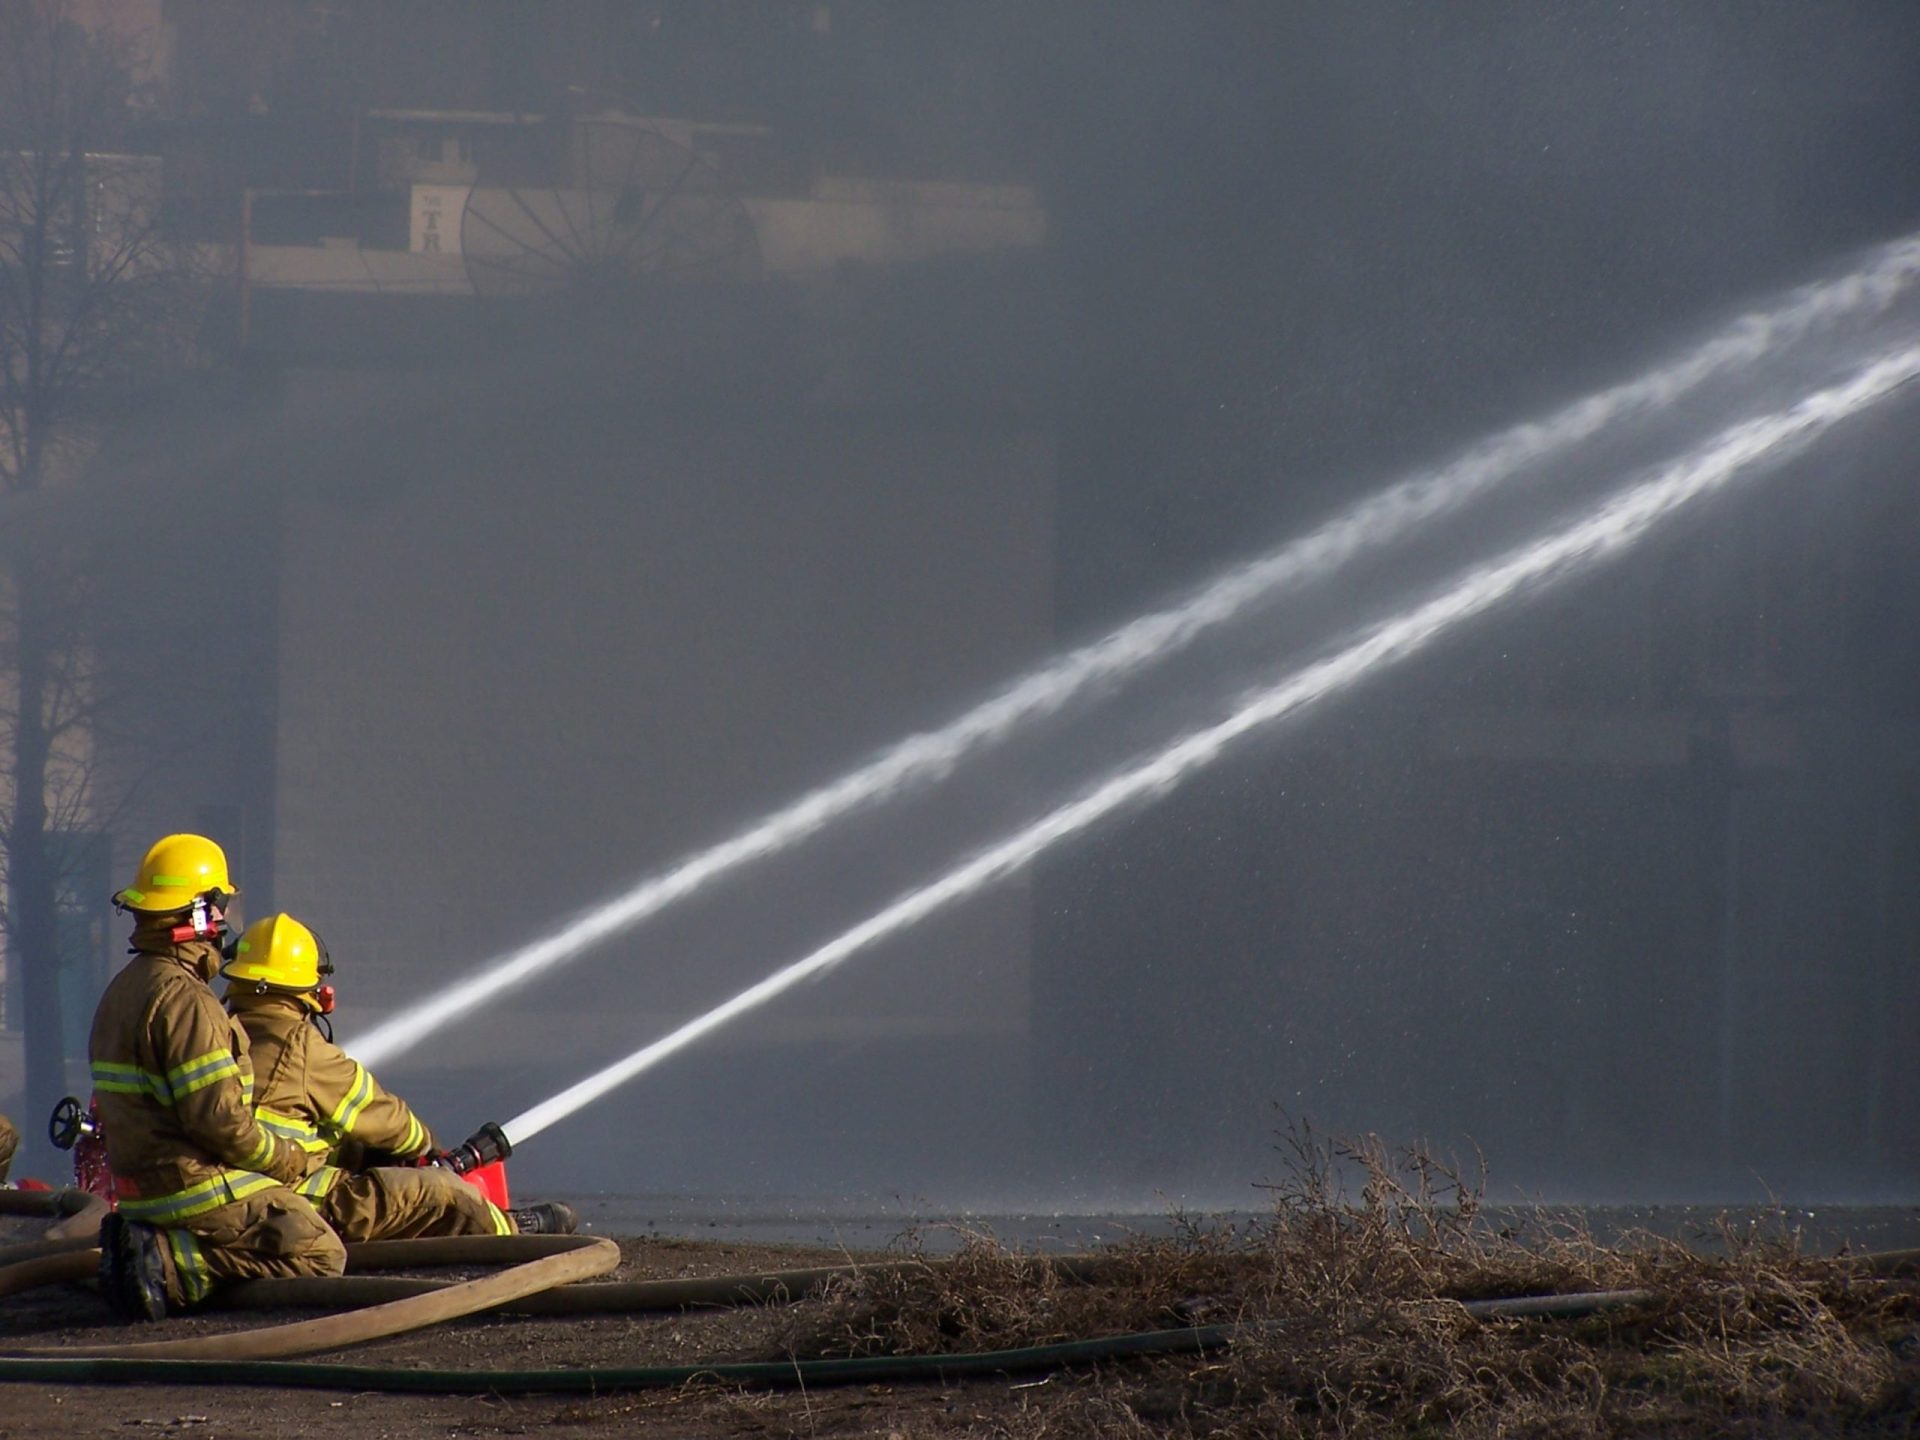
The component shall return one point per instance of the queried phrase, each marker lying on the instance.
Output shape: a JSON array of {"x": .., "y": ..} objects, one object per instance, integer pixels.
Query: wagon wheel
[{"x": 645, "y": 214}]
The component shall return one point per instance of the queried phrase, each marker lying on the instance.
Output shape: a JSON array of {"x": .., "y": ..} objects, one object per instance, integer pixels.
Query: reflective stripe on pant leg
[
  {"x": 189, "y": 1265},
  {"x": 275, "y": 1235},
  {"x": 401, "y": 1202}
]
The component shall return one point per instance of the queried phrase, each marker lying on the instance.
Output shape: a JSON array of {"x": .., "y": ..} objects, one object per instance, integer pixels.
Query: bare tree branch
[{"x": 97, "y": 299}]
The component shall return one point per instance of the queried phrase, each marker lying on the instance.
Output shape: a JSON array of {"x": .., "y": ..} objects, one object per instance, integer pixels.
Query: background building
[{"x": 634, "y": 414}]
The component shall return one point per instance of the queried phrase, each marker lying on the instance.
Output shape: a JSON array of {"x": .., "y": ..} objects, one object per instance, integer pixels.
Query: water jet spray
[
  {"x": 1374, "y": 522},
  {"x": 1617, "y": 524}
]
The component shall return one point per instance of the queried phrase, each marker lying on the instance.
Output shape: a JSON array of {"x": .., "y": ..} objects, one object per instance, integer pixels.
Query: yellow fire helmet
[
  {"x": 278, "y": 953},
  {"x": 176, "y": 871}
]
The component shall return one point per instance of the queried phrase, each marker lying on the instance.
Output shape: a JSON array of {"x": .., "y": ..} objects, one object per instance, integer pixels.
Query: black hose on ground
[
  {"x": 240, "y": 1358},
  {"x": 1883, "y": 1264},
  {"x": 599, "y": 1380},
  {"x": 1557, "y": 1307},
  {"x": 780, "y": 1287}
]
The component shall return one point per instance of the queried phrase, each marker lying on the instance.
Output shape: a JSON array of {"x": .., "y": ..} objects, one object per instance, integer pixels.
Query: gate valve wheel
[{"x": 67, "y": 1123}]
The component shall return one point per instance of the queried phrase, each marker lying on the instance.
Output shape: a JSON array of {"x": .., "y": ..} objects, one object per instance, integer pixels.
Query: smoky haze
[{"x": 510, "y": 584}]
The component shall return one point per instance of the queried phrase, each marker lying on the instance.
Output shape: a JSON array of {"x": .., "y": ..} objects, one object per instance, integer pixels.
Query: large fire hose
[
  {"x": 540, "y": 1262},
  {"x": 871, "y": 1369},
  {"x": 630, "y": 1297},
  {"x": 76, "y": 1215},
  {"x": 778, "y": 1287},
  {"x": 555, "y": 1260},
  {"x": 541, "y": 1281},
  {"x": 857, "y": 1370},
  {"x": 248, "y": 1357}
]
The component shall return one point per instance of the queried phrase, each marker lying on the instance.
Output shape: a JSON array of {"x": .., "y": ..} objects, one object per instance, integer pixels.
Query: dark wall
[{"x": 1619, "y": 882}]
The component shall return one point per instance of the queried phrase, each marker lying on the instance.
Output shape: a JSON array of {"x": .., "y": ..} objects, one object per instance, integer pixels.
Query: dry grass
[{"x": 1348, "y": 1287}]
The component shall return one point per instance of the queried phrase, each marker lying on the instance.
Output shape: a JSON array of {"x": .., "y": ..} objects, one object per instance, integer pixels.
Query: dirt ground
[
  {"x": 1356, "y": 1318},
  {"x": 73, "y": 1315}
]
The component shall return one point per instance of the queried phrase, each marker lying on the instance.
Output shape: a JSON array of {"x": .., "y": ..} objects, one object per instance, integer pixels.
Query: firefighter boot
[
  {"x": 550, "y": 1217},
  {"x": 133, "y": 1269},
  {"x": 111, "y": 1252}
]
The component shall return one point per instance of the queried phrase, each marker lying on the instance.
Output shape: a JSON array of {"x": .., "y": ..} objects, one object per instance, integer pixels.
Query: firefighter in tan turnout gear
[
  {"x": 9, "y": 1142},
  {"x": 367, "y": 1152},
  {"x": 202, "y": 1188}
]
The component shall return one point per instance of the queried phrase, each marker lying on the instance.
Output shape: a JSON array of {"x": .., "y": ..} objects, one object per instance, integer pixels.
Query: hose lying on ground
[
  {"x": 1882, "y": 1264},
  {"x": 49, "y": 1202},
  {"x": 781, "y": 1286},
  {"x": 592, "y": 1380},
  {"x": 76, "y": 1213},
  {"x": 546, "y": 1262},
  {"x": 872, "y": 1368},
  {"x": 772, "y": 1287},
  {"x": 48, "y": 1269},
  {"x": 557, "y": 1260}
]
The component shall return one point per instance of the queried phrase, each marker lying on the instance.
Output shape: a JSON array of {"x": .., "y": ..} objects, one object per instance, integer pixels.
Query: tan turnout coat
[
  {"x": 174, "y": 1081},
  {"x": 313, "y": 1095}
]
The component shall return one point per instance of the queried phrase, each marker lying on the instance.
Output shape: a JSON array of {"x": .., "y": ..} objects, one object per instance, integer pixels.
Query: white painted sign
[{"x": 436, "y": 219}]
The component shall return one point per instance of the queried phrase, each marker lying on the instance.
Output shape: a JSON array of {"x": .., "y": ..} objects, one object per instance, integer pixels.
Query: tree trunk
[{"x": 33, "y": 878}]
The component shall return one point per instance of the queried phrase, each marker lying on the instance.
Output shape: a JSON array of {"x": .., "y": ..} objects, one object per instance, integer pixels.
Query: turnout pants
[
  {"x": 400, "y": 1202},
  {"x": 274, "y": 1234}
]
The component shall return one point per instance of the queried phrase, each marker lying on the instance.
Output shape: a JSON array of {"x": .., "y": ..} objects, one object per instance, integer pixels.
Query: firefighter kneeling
[
  {"x": 315, "y": 1096},
  {"x": 202, "y": 1189}
]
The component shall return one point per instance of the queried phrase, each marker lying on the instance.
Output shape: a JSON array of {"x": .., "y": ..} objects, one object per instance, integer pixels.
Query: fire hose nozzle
[{"x": 486, "y": 1145}]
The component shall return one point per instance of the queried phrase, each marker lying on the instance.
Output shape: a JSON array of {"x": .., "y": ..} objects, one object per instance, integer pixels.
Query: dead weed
[{"x": 1346, "y": 1288}]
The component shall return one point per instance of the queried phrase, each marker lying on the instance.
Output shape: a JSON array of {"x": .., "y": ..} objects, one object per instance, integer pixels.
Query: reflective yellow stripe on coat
[
  {"x": 210, "y": 1194},
  {"x": 316, "y": 1185},
  {"x": 174, "y": 1086},
  {"x": 416, "y": 1140},
  {"x": 292, "y": 1127},
  {"x": 357, "y": 1099}
]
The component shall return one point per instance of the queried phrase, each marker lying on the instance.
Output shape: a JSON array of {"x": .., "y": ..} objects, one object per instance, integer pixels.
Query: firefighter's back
[{"x": 152, "y": 1012}]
